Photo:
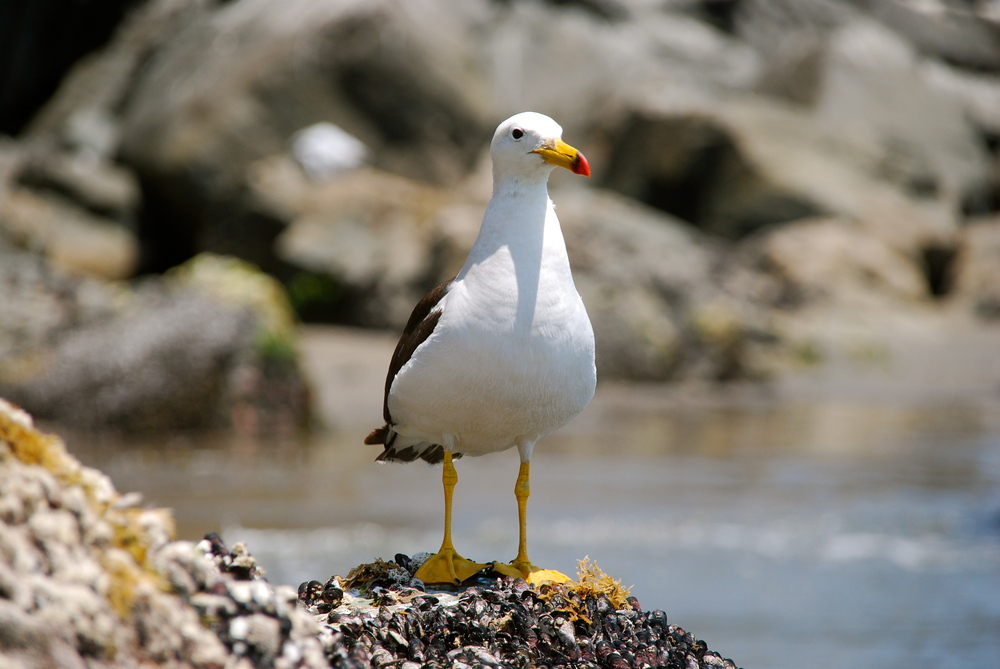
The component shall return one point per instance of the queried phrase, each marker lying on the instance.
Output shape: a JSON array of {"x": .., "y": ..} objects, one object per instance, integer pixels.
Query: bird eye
[{"x": 517, "y": 133}]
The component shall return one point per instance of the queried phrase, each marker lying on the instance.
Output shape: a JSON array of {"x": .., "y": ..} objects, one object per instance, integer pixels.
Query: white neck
[
  {"x": 515, "y": 218},
  {"x": 519, "y": 256}
]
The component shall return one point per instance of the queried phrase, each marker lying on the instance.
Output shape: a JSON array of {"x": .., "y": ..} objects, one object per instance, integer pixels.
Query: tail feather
[
  {"x": 404, "y": 449},
  {"x": 378, "y": 436}
]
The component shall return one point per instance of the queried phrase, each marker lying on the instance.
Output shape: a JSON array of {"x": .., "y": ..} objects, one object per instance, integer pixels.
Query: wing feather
[{"x": 419, "y": 327}]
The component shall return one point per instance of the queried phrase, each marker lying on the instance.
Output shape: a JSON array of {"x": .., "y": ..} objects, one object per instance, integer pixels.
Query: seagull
[{"x": 501, "y": 355}]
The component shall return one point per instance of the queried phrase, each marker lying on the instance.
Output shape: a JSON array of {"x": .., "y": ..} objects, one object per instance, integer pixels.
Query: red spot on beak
[{"x": 581, "y": 166}]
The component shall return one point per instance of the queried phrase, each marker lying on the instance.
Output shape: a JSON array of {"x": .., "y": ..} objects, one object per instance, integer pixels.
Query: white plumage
[
  {"x": 512, "y": 357},
  {"x": 503, "y": 354}
]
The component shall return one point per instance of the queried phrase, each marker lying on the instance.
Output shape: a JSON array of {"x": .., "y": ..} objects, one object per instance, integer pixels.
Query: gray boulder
[
  {"x": 834, "y": 261},
  {"x": 873, "y": 90},
  {"x": 212, "y": 345},
  {"x": 735, "y": 168},
  {"x": 276, "y": 69},
  {"x": 954, "y": 32},
  {"x": 161, "y": 365},
  {"x": 376, "y": 234},
  {"x": 977, "y": 92},
  {"x": 977, "y": 271},
  {"x": 657, "y": 294},
  {"x": 76, "y": 209},
  {"x": 644, "y": 276},
  {"x": 863, "y": 71},
  {"x": 38, "y": 304},
  {"x": 194, "y": 123}
]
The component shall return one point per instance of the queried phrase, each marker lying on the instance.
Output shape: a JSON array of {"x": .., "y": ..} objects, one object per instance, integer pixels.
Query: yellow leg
[
  {"x": 447, "y": 566},
  {"x": 521, "y": 566}
]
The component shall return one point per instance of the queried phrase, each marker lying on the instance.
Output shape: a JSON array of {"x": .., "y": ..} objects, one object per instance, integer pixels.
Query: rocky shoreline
[{"x": 89, "y": 578}]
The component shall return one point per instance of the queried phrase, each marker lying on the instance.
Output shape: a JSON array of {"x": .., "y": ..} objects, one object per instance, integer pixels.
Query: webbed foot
[
  {"x": 530, "y": 573},
  {"x": 447, "y": 566}
]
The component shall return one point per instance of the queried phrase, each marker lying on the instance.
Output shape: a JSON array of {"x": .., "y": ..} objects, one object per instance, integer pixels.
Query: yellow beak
[{"x": 562, "y": 154}]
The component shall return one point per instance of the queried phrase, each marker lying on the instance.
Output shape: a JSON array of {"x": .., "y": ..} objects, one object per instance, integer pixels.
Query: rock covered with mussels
[{"x": 379, "y": 616}]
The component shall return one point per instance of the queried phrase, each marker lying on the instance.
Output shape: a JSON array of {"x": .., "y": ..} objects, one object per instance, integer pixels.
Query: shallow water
[{"x": 786, "y": 532}]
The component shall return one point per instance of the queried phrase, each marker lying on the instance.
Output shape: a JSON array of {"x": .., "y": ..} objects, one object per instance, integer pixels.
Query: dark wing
[{"x": 418, "y": 328}]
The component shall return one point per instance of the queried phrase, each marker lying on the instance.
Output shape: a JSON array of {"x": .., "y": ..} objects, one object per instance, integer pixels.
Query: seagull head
[{"x": 529, "y": 145}]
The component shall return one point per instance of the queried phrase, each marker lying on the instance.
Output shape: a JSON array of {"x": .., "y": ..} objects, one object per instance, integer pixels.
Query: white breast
[{"x": 512, "y": 356}]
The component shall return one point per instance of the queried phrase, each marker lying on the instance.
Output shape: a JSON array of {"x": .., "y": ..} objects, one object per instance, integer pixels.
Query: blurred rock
[
  {"x": 637, "y": 271},
  {"x": 100, "y": 187},
  {"x": 977, "y": 271},
  {"x": 738, "y": 167},
  {"x": 325, "y": 150},
  {"x": 954, "y": 32},
  {"x": 779, "y": 29},
  {"x": 79, "y": 131},
  {"x": 236, "y": 81},
  {"x": 873, "y": 90},
  {"x": 585, "y": 71},
  {"x": 951, "y": 31},
  {"x": 210, "y": 346},
  {"x": 75, "y": 210},
  {"x": 863, "y": 78},
  {"x": 38, "y": 305},
  {"x": 835, "y": 261},
  {"x": 978, "y": 93},
  {"x": 194, "y": 125},
  {"x": 206, "y": 120},
  {"x": 374, "y": 233},
  {"x": 648, "y": 283},
  {"x": 695, "y": 165},
  {"x": 69, "y": 237}
]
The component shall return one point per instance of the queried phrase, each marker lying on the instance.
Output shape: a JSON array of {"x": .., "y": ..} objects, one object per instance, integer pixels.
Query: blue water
[{"x": 828, "y": 535}]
